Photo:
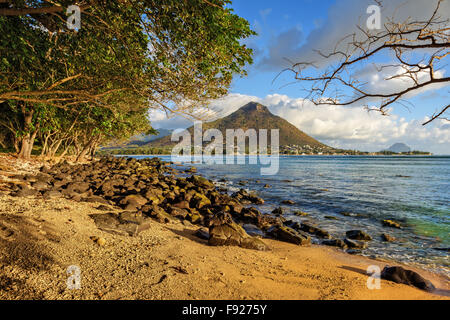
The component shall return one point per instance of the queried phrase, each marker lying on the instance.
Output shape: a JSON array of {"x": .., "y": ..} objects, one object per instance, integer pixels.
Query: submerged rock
[
  {"x": 358, "y": 235},
  {"x": 278, "y": 211},
  {"x": 386, "y": 237},
  {"x": 300, "y": 213},
  {"x": 392, "y": 224}
]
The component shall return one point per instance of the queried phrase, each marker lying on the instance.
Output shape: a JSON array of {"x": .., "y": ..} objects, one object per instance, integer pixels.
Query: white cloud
[{"x": 394, "y": 79}]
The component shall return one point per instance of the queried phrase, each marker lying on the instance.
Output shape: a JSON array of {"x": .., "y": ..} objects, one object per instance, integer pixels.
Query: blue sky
[{"x": 291, "y": 29}]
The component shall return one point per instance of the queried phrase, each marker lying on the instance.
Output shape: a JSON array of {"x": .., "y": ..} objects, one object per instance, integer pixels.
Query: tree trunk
[
  {"x": 85, "y": 149},
  {"x": 27, "y": 141}
]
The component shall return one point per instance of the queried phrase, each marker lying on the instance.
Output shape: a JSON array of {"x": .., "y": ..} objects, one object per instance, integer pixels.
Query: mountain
[
  {"x": 254, "y": 116},
  {"x": 143, "y": 139},
  {"x": 399, "y": 147}
]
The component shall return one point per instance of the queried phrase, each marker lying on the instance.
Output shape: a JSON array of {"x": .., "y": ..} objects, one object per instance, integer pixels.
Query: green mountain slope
[{"x": 253, "y": 116}]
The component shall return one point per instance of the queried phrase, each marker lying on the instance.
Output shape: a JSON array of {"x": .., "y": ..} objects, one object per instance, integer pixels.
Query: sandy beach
[
  {"x": 168, "y": 262},
  {"x": 41, "y": 238}
]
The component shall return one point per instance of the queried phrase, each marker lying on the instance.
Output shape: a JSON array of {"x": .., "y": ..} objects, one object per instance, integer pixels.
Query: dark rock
[
  {"x": 133, "y": 202},
  {"x": 51, "y": 194},
  {"x": 392, "y": 224},
  {"x": 102, "y": 207},
  {"x": 253, "y": 230},
  {"x": 442, "y": 249},
  {"x": 355, "y": 244},
  {"x": 95, "y": 199},
  {"x": 78, "y": 187},
  {"x": 182, "y": 205},
  {"x": 300, "y": 213},
  {"x": 223, "y": 231},
  {"x": 25, "y": 191},
  {"x": 309, "y": 228},
  {"x": 386, "y": 237},
  {"x": 178, "y": 212},
  {"x": 245, "y": 197},
  {"x": 201, "y": 182},
  {"x": 400, "y": 275},
  {"x": 353, "y": 251},
  {"x": 288, "y": 202},
  {"x": 123, "y": 224},
  {"x": 288, "y": 234},
  {"x": 335, "y": 243},
  {"x": 358, "y": 235},
  {"x": 278, "y": 211},
  {"x": 157, "y": 213},
  {"x": 195, "y": 218},
  {"x": 248, "y": 215},
  {"x": 39, "y": 185}
]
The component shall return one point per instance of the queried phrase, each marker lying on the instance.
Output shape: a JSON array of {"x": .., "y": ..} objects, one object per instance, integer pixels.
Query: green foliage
[{"x": 97, "y": 83}]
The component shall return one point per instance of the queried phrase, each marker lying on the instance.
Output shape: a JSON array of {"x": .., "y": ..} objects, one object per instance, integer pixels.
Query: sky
[{"x": 288, "y": 31}]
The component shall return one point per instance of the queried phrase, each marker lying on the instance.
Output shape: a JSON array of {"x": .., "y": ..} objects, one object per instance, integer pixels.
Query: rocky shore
[{"x": 130, "y": 196}]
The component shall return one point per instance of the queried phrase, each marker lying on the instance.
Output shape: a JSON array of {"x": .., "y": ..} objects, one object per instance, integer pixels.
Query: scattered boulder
[
  {"x": 243, "y": 196},
  {"x": 223, "y": 231},
  {"x": 133, "y": 202},
  {"x": 201, "y": 182},
  {"x": 78, "y": 187},
  {"x": 100, "y": 241},
  {"x": 400, "y": 275},
  {"x": 25, "y": 191},
  {"x": 278, "y": 211},
  {"x": 51, "y": 194},
  {"x": 386, "y": 237},
  {"x": 355, "y": 244},
  {"x": 288, "y": 202},
  {"x": 391, "y": 223},
  {"x": 358, "y": 235},
  {"x": 309, "y": 228},
  {"x": 122, "y": 224},
  {"x": 335, "y": 243},
  {"x": 288, "y": 234}
]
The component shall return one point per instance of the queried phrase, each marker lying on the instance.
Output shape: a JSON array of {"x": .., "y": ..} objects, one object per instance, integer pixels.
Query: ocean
[{"x": 342, "y": 193}]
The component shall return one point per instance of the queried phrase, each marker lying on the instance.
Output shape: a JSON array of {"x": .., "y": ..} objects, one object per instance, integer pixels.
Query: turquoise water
[{"x": 411, "y": 190}]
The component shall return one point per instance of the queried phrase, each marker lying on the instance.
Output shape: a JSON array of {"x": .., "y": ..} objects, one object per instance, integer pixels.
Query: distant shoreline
[{"x": 308, "y": 155}]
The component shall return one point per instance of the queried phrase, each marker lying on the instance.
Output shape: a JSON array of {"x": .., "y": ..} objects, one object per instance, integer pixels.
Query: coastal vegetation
[{"x": 68, "y": 91}]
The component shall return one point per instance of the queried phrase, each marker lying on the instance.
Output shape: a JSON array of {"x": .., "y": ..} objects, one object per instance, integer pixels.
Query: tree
[
  {"x": 420, "y": 50},
  {"x": 128, "y": 56}
]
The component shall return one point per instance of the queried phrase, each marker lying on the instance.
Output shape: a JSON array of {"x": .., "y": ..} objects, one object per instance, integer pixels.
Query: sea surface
[{"x": 342, "y": 193}]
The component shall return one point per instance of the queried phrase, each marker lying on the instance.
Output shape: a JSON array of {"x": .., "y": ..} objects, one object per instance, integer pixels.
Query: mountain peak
[
  {"x": 399, "y": 147},
  {"x": 255, "y": 116},
  {"x": 253, "y": 106}
]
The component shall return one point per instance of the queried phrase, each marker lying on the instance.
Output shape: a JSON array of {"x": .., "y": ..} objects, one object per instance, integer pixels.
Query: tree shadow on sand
[{"x": 22, "y": 250}]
